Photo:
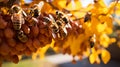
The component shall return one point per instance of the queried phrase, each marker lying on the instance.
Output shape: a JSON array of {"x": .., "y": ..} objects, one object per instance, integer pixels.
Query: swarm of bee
[{"x": 23, "y": 33}]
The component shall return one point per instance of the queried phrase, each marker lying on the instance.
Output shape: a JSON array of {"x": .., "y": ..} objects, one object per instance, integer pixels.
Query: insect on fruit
[
  {"x": 87, "y": 17},
  {"x": 31, "y": 20},
  {"x": 35, "y": 10},
  {"x": 61, "y": 15},
  {"x": 53, "y": 25},
  {"x": 62, "y": 32},
  {"x": 62, "y": 28},
  {"x": 17, "y": 17},
  {"x": 17, "y": 21},
  {"x": 57, "y": 26},
  {"x": 63, "y": 18},
  {"x": 22, "y": 37},
  {"x": 60, "y": 23}
]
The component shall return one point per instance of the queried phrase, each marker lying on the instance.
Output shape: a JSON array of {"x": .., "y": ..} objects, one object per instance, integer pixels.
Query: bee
[
  {"x": 62, "y": 28},
  {"x": 60, "y": 23},
  {"x": 35, "y": 10},
  {"x": 61, "y": 15},
  {"x": 57, "y": 26},
  {"x": 53, "y": 25},
  {"x": 17, "y": 21},
  {"x": 17, "y": 17},
  {"x": 92, "y": 40},
  {"x": 21, "y": 36},
  {"x": 15, "y": 9},
  {"x": 62, "y": 32},
  {"x": 87, "y": 17},
  {"x": 31, "y": 20},
  {"x": 64, "y": 18}
]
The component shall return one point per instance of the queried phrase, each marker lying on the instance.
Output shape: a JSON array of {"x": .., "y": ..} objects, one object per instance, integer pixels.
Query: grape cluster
[
  {"x": 39, "y": 35},
  {"x": 10, "y": 47}
]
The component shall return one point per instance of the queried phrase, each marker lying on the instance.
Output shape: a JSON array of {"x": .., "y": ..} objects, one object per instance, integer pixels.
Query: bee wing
[
  {"x": 51, "y": 17},
  {"x": 22, "y": 21},
  {"x": 54, "y": 35},
  {"x": 40, "y": 5},
  {"x": 64, "y": 29},
  {"x": 12, "y": 18},
  {"x": 68, "y": 25},
  {"x": 24, "y": 14},
  {"x": 47, "y": 19},
  {"x": 69, "y": 15}
]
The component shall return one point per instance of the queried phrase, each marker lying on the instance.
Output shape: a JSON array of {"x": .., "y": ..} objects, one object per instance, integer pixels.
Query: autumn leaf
[
  {"x": 105, "y": 55},
  {"x": 93, "y": 57}
]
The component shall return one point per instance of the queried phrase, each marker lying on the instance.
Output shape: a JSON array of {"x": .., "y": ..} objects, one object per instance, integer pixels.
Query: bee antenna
[{"x": 51, "y": 17}]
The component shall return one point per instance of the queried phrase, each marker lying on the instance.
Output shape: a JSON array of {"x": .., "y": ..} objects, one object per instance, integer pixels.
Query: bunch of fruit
[{"x": 33, "y": 30}]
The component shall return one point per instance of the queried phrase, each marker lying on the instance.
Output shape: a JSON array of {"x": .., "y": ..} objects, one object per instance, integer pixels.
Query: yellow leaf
[
  {"x": 108, "y": 30},
  {"x": 89, "y": 7},
  {"x": 105, "y": 55},
  {"x": 75, "y": 45},
  {"x": 79, "y": 14},
  {"x": 98, "y": 60},
  {"x": 74, "y": 5},
  {"x": 34, "y": 56},
  {"x": 111, "y": 7},
  {"x": 100, "y": 3},
  {"x": 43, "y": 51},
  {"x": 92, "y": 58},
  {"x": 52, "y": 43},
  {"x": 93, "y": 50},
  {"x": 101, "y": 27},
  {"x": 112, "y": 40},
  {"x": 87, "y": 53},
  {"x": 117, "y": 11},
  {"x": 46, "y": 8},
  {"x": 20, "y": 57},
  {"x": 59, "y": 4},
  {"x": 104, "y": 40}
]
